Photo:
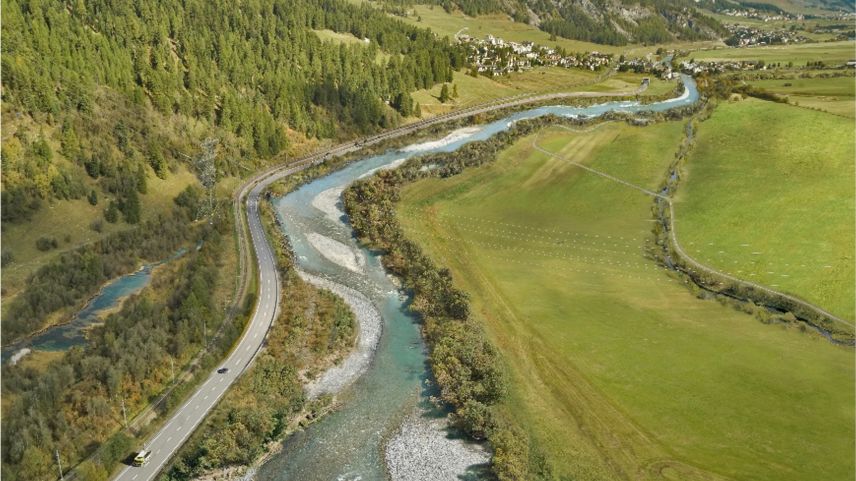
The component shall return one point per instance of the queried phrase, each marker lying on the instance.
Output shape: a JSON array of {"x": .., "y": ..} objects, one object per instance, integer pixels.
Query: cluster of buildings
[
  {"x": 495, "y": 56},
  {"x": 743, "y": 36},
  {"x": 760, "y": 15},
  {"x": 659, "y": 68},
  {"x": 695, "y": 67}
]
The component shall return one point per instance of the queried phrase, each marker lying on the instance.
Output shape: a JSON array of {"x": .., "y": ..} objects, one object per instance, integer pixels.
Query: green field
[
  {"x": 832, "y": 53},
  {"x": 616, "y": 370},
  {"x": 768, "y": 196},
  {"x": 834, "y": 95}
]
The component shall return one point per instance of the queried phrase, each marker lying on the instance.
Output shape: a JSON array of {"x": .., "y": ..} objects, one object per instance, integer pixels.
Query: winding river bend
[{"x": 349, "y": 443}]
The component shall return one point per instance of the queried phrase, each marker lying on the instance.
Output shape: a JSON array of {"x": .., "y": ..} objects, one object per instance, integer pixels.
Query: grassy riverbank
[
  {"x": 765, "y": 198},
  {"x": 616, "y": 369}
]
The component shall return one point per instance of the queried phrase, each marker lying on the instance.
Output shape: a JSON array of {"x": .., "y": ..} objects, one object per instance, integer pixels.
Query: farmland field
[
  {"x": 616, "y": 371},
  {"x": 834, "y": 95},
  {"x": 778, "y": 211},
  {"x": 832, "y": 53}
]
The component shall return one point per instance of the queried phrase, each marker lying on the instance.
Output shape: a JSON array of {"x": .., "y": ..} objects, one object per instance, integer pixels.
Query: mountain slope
[{"x": 614, "y": 22}]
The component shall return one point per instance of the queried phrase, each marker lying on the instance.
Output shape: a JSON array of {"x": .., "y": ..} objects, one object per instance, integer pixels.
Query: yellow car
[{"x": 142, "y": 458}]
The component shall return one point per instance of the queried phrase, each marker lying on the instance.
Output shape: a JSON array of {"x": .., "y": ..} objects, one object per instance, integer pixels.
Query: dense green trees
[
  {"x": 247, "y": 73},
  {"x": 73, "y": 404}
]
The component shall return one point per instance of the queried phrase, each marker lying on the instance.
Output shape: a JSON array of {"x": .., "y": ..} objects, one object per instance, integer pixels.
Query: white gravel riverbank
[
  {"x": 337, "y": 252},
  {"x": 422, "y": 450},
  {"x": 369, "y": 328},
  {"x": 327, "y": 201},
  {"x": 453, "y": 136}
]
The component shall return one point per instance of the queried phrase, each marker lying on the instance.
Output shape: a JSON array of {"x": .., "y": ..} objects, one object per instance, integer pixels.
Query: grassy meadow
[
  {"x": 768, "y": 196},
  {"x": 616, "y": 370},
  {"x": 834, "y": 95},
  {"x": 831, "y": 53}
]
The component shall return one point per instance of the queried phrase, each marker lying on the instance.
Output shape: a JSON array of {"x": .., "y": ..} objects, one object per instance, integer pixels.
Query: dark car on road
[{"x": 223, "y": 370}]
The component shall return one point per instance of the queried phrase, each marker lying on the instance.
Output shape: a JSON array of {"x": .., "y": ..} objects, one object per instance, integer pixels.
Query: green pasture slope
[
  {"x": 768, "y": 196},
  {"x": 616, "y": 370}
]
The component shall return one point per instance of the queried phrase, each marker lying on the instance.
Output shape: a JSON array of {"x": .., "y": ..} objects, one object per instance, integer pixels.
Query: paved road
[
  {"x": 188, "y": 417},
  {"x": 176, "y": 431}
]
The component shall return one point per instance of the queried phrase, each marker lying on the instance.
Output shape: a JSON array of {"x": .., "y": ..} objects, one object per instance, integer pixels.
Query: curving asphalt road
[
  {"x": 166, "y": 442},
  {"x": 172, "y": 435}
]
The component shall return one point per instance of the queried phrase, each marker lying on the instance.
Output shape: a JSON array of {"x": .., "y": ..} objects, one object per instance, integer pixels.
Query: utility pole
[
  {"x": 59, "y": 465},
  {"x": 206, "y": 170},
  {"x": 124, "y": 414}
]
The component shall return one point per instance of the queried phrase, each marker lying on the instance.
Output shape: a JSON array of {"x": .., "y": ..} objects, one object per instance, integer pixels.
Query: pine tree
[
  {"x": 444, "y": 94},
  {"x": 142, "y": 184},
  {"x": 93, "y": 197},
  {"x": 131, "y": 207},
  {"x": 111, "y": 214}
]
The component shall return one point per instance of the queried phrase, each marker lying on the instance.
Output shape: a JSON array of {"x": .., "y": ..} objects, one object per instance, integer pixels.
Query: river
[{"x": 349, "y": 443}]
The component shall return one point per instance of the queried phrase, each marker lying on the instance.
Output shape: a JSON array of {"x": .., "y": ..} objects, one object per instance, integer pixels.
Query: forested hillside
[
  {"x": 613, "y": 22},
  {"x": 114, "y": 88}
]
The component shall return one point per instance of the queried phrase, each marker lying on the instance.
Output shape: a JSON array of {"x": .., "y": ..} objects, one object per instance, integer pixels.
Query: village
[
  {"x": 495, "y": 56},
  {"x": 743, "y": 36}
]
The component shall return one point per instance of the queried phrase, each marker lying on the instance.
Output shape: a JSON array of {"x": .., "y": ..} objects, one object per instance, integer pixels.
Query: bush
[{"x": 45, "y": 244}]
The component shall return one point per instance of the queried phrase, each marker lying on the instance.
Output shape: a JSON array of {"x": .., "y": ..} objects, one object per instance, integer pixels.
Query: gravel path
[
  {"x": 423, "y": 449},
  {"x": 369, "y": 328}
]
